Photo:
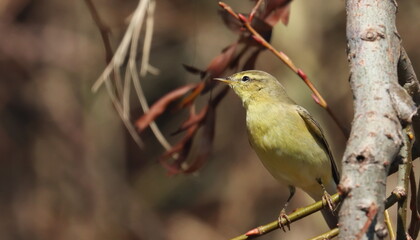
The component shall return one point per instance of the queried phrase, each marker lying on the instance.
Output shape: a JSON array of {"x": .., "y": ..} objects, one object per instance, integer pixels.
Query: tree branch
[{"x": 376, "y": 136}]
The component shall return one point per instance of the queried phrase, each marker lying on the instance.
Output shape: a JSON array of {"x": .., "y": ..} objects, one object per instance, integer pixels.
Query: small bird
[{"x": 288, "y": 141}]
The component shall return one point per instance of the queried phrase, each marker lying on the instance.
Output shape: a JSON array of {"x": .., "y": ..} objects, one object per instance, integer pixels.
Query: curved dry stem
[
  {"x": 145, "y": 65},
  {"x": 129, "y": 48},
  {"x": 136, "y": 78},
  {"x": 130, "y": 128}
]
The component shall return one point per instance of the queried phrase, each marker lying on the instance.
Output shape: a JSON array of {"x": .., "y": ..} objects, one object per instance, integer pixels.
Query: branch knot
[{"x": 372, "y": 34}]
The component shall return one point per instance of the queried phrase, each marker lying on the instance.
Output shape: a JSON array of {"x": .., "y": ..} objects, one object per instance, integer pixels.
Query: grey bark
[{"x": 380, "y": 107}]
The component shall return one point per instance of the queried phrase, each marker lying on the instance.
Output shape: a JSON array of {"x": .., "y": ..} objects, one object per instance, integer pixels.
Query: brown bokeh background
[{"x": 69, "y": 170}]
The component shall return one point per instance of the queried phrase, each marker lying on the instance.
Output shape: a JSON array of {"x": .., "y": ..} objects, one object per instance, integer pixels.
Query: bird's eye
[{"x": 245, "y": 78}]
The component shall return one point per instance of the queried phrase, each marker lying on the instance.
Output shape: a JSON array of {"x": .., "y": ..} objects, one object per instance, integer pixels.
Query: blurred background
[{"x": 70, "y": 170}]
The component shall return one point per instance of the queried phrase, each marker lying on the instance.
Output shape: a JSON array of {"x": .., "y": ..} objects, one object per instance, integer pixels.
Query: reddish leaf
[
  {"x": 194, "y": 70},
  {"x": 160, "y": 106},
  {"x": 205, "y": 142},
  {"x": 182, "y": 148},
  {"x": 205, "y": 119},
  {"x": 276, "y": 10},
  {"x": 219, "y": 64},
  {"x": 192, "y": 96},
  {"x": 232, "y": 23},
  {"x": 263, "y": 28},
  {"x": 193, "y": 119},
  {"x": 275, "y": 4},
  {"x": 279, "y": 14}
]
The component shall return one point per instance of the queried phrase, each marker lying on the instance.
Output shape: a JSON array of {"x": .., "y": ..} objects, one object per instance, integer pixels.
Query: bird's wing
[{"x": 316, "y": 131}]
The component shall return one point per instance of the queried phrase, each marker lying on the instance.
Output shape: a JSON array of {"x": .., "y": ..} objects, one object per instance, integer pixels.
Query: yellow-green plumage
[
  {"x": 288, "y": 141},
  {"x": 281, "y": 139}
]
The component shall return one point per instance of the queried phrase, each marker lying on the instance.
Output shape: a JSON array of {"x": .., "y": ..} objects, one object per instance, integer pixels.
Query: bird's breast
[{"x": 284, "y": 145}]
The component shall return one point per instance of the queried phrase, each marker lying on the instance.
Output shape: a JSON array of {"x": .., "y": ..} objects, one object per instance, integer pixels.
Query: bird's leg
[
  {"x": 292, "y": 191},
  {"x": 326, "y": 197}
]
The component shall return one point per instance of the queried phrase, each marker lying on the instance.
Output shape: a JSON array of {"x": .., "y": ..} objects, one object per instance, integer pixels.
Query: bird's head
[{"x": 254, "y": 85}]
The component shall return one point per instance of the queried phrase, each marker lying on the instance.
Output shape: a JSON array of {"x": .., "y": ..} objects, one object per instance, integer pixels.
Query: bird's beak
[{"x": 225, "y": 80}]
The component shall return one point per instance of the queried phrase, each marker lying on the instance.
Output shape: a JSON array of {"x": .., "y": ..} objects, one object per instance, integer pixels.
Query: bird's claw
[
  {"x": 328, "y": 200},
  {"x": 286, "y": 218}
]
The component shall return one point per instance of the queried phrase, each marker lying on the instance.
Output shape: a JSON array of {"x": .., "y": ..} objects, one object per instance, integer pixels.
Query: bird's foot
[
  {"x": 326, "y": 199},
  {"x": 284, "y": 220}
]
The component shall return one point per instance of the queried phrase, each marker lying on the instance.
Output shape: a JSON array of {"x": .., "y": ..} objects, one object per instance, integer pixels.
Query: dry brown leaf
[{"x": 161, "y": 105}]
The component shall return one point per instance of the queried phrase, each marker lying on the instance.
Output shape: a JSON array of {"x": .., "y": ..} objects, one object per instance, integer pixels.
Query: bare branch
[{"x": 376, "y": 136}]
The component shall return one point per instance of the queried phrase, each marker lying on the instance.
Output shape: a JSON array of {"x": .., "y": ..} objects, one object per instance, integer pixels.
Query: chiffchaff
[{"x": 288, "y": 141}]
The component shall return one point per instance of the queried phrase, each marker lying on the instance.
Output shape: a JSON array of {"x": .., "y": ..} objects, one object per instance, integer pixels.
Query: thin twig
[
  {"x": 296, "y": 215},
  {"x": 395, "y": 196},
  {"x": 391, "y": 200},
  {"x": 414, "y": 228},
  {"x": 403, "y": 183},
  {"x": 255, "y": 9},
  {"x": 388, "y": 224},
  {"x": 103, "y": 29},
  {"x": 328, "y": 235},
  {"x": 120, "y": 55}
]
